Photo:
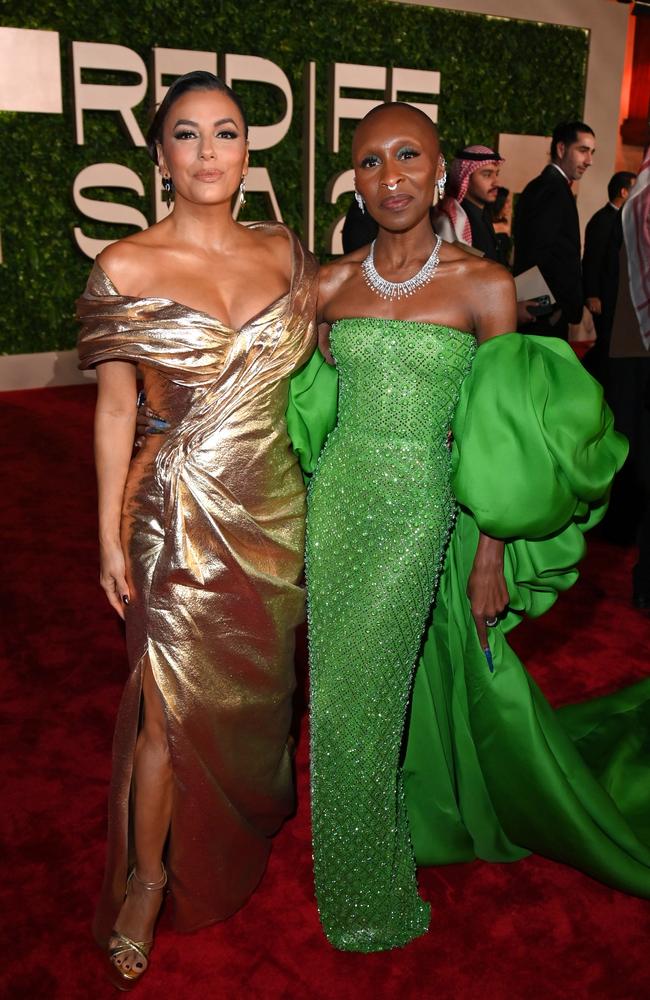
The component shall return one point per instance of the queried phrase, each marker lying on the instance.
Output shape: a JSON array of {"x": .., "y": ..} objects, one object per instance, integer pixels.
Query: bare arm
[
  {"x": 114, "y": 428},
  {"x": 328, "y": 283},
  {"x": 495, "y": 313},
  {"x": 493, "y": 301}
]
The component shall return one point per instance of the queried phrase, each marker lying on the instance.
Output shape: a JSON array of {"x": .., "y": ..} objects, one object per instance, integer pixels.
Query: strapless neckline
[
  {"x": 164, "y": 300},
  {"x": 403, "y": 322}
]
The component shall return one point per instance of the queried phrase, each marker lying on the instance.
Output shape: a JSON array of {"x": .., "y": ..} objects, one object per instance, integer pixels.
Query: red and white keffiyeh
[{"x": 452, "y": 222}]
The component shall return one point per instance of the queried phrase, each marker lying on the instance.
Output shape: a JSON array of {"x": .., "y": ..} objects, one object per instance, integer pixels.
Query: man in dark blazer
[
  {"x": 547, "y": 230},
  {"x": 603, "y": 240}
]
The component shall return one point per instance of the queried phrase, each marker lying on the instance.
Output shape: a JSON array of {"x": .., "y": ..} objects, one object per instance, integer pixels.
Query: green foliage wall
[{"x": 497, "y": 75}]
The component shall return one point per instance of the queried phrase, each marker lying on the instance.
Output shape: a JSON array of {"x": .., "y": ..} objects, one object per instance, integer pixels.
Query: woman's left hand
[{"x": 486, "y": 587}]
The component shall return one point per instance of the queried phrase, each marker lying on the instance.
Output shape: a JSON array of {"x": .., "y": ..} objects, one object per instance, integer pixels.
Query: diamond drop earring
[
  {"x": 360, "y": 202},
  {"x": 167, "y": 190},
  {"x": 442, "y": 181},
  {"x": 242, "y": 192}
]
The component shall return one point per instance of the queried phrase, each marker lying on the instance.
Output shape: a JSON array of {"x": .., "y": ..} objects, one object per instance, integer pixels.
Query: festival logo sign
[{"x": 30, "y": 81}]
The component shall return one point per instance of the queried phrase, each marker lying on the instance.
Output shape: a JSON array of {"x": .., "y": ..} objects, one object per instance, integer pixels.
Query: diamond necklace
[{"x": 398, "y": 289}]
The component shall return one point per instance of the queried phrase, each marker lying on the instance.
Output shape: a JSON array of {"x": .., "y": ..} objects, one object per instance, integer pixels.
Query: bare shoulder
[
  {"x": 127, "y": 260},
  {"x": 492, "y": 276},
  {"x": 272, "y": 242},
  {"x": 480, "y": 276},
  {"x": 492, "y": 298},
  {"x": 334, "y": 275},
  {"x": 494, "y": 294}
]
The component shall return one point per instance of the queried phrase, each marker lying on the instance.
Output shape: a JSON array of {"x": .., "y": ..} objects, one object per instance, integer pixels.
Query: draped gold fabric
[{"x": 213, "y": 531}]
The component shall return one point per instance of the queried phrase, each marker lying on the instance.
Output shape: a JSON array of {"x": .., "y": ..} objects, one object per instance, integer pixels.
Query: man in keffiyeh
[{"x": 472, "y": 186}]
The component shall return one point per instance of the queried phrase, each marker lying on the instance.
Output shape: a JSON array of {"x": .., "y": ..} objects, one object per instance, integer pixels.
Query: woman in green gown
[{"x": 430, "y": 742}]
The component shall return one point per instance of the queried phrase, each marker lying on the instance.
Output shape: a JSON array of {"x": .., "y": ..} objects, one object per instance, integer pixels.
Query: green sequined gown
[
  {"x": 380, "y": 513},
  {"x": 419, "y": 752}
]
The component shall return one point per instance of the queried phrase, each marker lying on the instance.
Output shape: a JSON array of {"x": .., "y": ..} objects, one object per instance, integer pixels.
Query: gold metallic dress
[{"x": 213, "y": 532}]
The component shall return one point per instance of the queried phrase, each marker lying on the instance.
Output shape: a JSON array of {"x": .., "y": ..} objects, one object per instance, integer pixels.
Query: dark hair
[
  {"x": 620, "y": 180},
  {"x": 197, "y": 80},
  {"x": 567, "y": 134}
]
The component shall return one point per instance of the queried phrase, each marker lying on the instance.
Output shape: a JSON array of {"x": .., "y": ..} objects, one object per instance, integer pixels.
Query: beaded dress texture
[
  {"x": 213, "y": 533},
  {"x": 380, "y": 513}
]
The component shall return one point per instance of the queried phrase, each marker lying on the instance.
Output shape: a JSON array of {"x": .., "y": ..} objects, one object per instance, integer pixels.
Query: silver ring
[{"x": 491, "y": 622}]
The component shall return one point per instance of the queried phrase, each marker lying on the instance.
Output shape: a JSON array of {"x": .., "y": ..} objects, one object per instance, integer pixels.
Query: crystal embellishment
[{"x": 399, "y": 289}]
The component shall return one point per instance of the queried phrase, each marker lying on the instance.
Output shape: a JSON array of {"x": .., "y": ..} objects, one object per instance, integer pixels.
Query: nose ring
[{"x": 392, "y": 187}]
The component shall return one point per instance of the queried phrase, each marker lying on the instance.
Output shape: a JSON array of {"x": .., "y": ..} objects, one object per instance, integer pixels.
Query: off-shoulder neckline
[{"x": 294, "y": 245}]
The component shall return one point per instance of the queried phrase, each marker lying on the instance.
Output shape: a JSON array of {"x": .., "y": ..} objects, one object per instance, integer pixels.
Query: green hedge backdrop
[{"x": 497, "y": 75}]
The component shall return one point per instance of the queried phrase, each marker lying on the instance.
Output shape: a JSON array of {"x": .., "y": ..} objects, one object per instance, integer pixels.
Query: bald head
[
  {"x": 398, "y": 115},
  {"x": 408, "y": 109}
]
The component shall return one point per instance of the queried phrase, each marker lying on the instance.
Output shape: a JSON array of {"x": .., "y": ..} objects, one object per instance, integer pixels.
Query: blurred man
[
  {"x": 472, "y": 187},
  {"x": 603, "y": 239},
  {"x": 628, "y": 382},
  {"x": 547, "y": 230}
]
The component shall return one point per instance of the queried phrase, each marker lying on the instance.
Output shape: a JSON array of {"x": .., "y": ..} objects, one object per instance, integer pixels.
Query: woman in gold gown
[{"x": 201, "y": 535}]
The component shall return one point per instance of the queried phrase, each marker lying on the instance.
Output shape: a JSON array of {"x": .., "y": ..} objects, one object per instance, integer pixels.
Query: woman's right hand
[{"x": 112, "y": 576}]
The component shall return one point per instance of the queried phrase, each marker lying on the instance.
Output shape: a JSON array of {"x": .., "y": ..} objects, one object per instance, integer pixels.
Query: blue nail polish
[
  {"x": 159, "y": 423},
  {"x": 488, "y": 656}
]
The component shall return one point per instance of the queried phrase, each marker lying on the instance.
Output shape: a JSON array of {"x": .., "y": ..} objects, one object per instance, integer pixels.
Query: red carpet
[{"x": 499, "y": 932}]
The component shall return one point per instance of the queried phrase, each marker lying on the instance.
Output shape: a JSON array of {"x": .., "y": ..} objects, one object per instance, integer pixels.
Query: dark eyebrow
[{"x": 220, "y": 121}]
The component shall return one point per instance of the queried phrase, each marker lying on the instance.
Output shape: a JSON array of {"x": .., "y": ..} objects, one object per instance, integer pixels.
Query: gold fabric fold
[{"x": 213, "y": 531}]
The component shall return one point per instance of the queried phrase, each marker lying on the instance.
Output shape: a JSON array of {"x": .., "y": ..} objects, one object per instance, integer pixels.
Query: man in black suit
[
  {"x": 603, "y": 240},
  {"x": 547, "y": 230}
]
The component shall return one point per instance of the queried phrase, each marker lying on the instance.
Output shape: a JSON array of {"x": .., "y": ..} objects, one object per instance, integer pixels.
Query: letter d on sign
[{"x": 258, "y": 70}]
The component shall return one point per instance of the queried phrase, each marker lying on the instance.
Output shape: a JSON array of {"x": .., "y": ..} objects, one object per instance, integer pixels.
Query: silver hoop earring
[
  {"x": 360, "y": 202},
  {"x": 242, "y": 192},
  {"x": 167, "y": 190}
]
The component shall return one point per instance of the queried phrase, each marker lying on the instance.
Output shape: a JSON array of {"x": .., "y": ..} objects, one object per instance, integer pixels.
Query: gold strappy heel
[{"x": 120, "y": 944}]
